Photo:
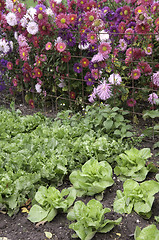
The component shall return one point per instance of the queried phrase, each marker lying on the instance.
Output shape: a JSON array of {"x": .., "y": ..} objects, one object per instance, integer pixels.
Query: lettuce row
[
  {"x": 90, "y": 219},
  {"x": 94, "y": 177},
  {"x": 137, "y": 197}
]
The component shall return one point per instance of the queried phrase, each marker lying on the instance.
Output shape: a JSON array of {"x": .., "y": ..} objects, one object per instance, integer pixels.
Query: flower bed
[{"x": 80, "y": 52}]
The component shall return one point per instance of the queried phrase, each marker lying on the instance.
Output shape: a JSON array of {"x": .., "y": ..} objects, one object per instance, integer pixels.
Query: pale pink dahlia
[
  {"x": 152, "y": 98},
  {"x": 104, "y": 48},
  {"x": 104, "y": 90},
  {"x": 48, "y": 46},
  {"x": 61, "y": 46}
]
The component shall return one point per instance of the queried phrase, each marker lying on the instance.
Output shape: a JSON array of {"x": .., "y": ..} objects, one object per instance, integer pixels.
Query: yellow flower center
[
  {"x": 63, "y": 20},
  {"x": 104, "y": 48},
  {"x": 92, "y": 37},
  {"x": 139, "y": 11},
  {"x": 126, "y": 12},
  {"x": 40, "y": 8},
  {"x": 23, "y": 53},
  {"x": 141, "y": 17},
  {"x": 19, "y": 10},
  {"x": 143, "y": 28},
  {"x": 40, "y": 16},
  {"x": 61, "y": 46},
  {"x": 91, "y": 18}
]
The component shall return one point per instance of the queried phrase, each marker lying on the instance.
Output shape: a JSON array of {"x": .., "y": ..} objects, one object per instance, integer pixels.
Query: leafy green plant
[
  {"x": 45, "y": 151},
  {"x": 109, "y": 121},
  {"x": 150, "y": 131},
  {"x": 50, "y": 201},
  {"x": 90, "y": 219},
  {"x": 131, "y": 164},
  {"x": 136, "y": 197},
  {"x": 94, "y": 177},
  {"x": 148, "y": 233}
]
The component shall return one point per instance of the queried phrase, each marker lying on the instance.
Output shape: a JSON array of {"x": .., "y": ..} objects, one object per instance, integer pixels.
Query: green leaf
[
  {"x": 90, "y": 219},
  {"x": 108, "y": 124},
  {"x": 157, "y": 177},
  {"x": 157, "y": 218},
  {"x": 137, "y": 232},
  {"x": 151, "y": 114},
  {"x": 37, "y": 214},
  {"x": 148, "y": 233}
]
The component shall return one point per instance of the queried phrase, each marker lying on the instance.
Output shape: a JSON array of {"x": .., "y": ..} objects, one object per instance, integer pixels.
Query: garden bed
[{"x": 19, "y": 227}]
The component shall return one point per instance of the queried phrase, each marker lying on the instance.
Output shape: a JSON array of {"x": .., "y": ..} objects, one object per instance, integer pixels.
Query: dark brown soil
[{"x": 19, "y": 228}]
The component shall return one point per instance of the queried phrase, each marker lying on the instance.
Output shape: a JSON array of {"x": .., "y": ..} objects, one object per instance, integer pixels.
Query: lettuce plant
[
  {"x": 137, "y": 197},
  {"x": 49, "y": 201},
  {"x": 93, "y": 178},
  {"x": 131, "y": 164},
  {"x": 90, "y": 219},
  {"x": 148, "y": 233}
]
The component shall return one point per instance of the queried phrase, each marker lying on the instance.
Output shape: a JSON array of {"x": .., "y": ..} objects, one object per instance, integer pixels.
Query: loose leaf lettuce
[
  {"x": 90, "y": 219},
  {"x": 49, "y": 202},
  {"x": 131, "y": 164},
  {"x": 137, "y": 197},
  {"x": 148, "y": 233},
  {"x": 93, "y": 178}
]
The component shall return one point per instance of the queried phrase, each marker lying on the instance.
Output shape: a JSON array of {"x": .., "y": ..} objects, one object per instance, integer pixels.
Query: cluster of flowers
[{"x": 115, "y": 44}]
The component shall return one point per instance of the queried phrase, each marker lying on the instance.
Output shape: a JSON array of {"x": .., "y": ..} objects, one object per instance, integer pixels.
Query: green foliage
[
  {"x": 94, "y": 178},
  {"x": 109, "y": 121},
  {"x": 136, "y": 197},
  {"x": 150, "y": 131},
  {"x": 148, "y": 233},
  {"x": 90, "y": 219},
  {"x": 45, "y": 151},
  {"x": 131, "y": 164},
  {"x": 151, "y": 114},
  {"x": 49, "y": 202}
]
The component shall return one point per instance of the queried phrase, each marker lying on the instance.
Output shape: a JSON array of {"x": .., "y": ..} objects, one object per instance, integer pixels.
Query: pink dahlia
[
  {"x": 60, "y": 46},
  {"x": 131, "y": 102},
  {"x": 10, "y": 65},
  {"x": 92, "y": 96},
  {"x": 62, "y": 20},
  {"x": 129, "y": 33},
  {"x": 92, "y": 37},
  {"x": 152, "y": 98},
  {"x": 95, "y": 73},
  {"x": 122, "y": 27},
  {"x": 122, "y": 44},
  {"x": 24, "y": 53},
  {"x": 48, "y": 46},
  {"x": 126, "y": 12},
  {"x": 90, "y": 17},
  {"x": 135, "y": 74},
  {"x": 104, "y": 48},
  {"x": 84, "y": 62},
  {"x": 104, "y": 90},
  {"x": 142, "y": 28}
]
